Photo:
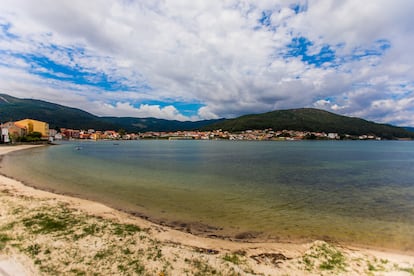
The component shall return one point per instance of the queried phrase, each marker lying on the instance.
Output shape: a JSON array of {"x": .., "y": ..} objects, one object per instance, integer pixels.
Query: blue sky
[{"x": 192, "y": 60}]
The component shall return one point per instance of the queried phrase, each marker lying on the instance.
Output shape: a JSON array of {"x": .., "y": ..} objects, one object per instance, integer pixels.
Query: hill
[
  {"x": 304, "y": 119},
  {"x": 309, "y": 119},
  {"x": 14, "y": 109},
  {"x": 153, "y": 124},
  {"x": 411, "y": 129}
]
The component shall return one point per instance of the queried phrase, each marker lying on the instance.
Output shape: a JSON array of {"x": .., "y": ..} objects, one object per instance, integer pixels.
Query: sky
[{"x": 197, "y": 59}]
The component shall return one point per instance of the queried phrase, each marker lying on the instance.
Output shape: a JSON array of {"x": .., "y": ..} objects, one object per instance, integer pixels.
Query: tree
[
  {"x": 30, "y": 127},
  {"x": 35, "y": 135},
  {"x": 121, "y": 132},
  {"x": 31, "y": 137}
]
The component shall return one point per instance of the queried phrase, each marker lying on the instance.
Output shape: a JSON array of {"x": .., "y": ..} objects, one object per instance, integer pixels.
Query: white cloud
[
  {"x": 215, "y": 53},
  {"x": 144, "y": 110}
]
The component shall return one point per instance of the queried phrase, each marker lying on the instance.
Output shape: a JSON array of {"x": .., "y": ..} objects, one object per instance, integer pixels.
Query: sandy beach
[{"x": 42, "y": 233}]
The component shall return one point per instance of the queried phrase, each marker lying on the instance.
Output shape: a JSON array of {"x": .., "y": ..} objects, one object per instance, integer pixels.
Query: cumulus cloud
[
  {"x": 230, "y": 57},
  {"x": 144, "y": 110}
]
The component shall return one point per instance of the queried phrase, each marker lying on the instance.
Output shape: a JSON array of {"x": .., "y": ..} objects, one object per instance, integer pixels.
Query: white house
[
  {"x": 333, "y": 136},
  {"x": 5, "y": 135}
]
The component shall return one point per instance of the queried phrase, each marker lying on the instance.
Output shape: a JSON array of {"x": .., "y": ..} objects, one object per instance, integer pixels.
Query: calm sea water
[{"x": 358, "y": 192}]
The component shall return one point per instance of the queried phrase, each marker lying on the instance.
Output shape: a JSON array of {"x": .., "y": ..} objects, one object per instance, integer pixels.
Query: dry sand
[{"x": 42, "y": 233}]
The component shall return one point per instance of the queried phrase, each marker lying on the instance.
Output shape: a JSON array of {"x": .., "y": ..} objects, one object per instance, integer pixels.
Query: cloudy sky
[{"x": 197, "y": 59}]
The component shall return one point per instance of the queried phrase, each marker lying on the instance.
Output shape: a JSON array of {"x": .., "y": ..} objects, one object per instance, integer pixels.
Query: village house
[
  {"x": 10, "y": 131},
  {"x": 34, "y": 126},
  {"x": 68, "y": 133},
  {"x": 96, "y": 135},
  {"x": 111, "y": 134},
  {"x": 4, "y": 135},
  {"x": 333, "y": 136}
]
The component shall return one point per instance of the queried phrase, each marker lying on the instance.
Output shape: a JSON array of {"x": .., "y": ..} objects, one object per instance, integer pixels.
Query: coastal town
[
  {"x": 28, "y": 130},
  {"x": 44, "y": 233}
]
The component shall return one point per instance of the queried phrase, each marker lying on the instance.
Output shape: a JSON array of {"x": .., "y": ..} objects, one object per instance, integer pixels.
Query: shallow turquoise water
[{"x": 358, "y": 192}]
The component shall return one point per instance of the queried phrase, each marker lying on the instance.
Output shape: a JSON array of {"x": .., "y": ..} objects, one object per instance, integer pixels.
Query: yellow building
[{"x": 34, "y": 126}]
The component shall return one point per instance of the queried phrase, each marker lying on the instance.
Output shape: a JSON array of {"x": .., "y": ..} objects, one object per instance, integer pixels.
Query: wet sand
[{"x": 44, "y": 233}]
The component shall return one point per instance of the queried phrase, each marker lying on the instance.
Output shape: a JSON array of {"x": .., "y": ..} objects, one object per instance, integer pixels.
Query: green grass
[
  {"x": 44, "y": 223},
  {"x": 232, "y": 258},
  {"x": 137, "y": 266},
  {"x": 3, "y": 240},
  {"x": 407, "y": 269},
  {"x": 154, "y": 253},
  {"x": 333, "y": 258},
  {"x": 8, "y": 226},
  {"x": 91, "y": 229},
  {"x": 371, "y": 267},
  {"x": 309, "y": 263},
  {"x": 33, "y": 249},
  {"x": 126, "y": 251},
  {"x": 125, "y": 229},
  {"x": 326, "y": 256},
  {"x": 103, "y": 254},
  {"x": 75, "y": 271},
  {"x": 202, "y": 268}
]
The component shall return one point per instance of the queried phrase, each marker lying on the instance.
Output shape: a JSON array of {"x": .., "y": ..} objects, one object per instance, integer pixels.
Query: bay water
[{"x": 357, "y": 192}]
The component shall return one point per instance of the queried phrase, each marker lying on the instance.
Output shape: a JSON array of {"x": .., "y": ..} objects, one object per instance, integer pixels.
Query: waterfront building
[{"x": 34, "y": 126}]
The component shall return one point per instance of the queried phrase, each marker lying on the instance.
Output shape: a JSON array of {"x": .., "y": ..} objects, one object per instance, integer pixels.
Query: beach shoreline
[{"x": 180, "y": 249}]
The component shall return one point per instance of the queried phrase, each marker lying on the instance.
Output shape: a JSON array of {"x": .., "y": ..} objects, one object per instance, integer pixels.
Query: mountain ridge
[
  {"x": 312, "y": 120},
  {"x": 13, "y": 109},
  {"x": 411, "y": 129},
  {"x": 302, "y": 119}
]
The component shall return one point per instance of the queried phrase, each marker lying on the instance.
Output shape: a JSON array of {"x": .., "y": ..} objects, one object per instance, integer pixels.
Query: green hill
[
  {"x": 14, "y": 109},
  {"x": 304, "y": 119},
  {"x": 411, "y": 129},
  {"x": 309, "y": 119},
  {"x": 153, "y": 124}
]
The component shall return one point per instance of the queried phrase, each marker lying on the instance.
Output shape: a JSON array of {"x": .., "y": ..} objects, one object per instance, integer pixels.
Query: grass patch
[
  {"x": 3, "y": 240},
  {"x": 91, "y": 229},
  {"x": 154, "y": 253},
  {"x": 125, "y": 229},
  {"x": 44, "y": 223},
  {"x": 384, "y": 261},
  {"x": 376, "y": 265},
  {"x": 17, "y": 211},
  {"x": 407, "y": 269},
  {"x": 37, "y": 262},
  {"x": 126, "y": 251},
  {"x": 202, "y": 268},
  {"x": 137, "y": 267},
  {"x": 232, "y": 258},
  {"x": 102, "y": 254},
  {"x": 33, "y": 249},
  {"x": 325, "y": 257},
  {"x": 8, "y": 226},
  {"x": 122, "y": 268},
  {"x": 371, "y": 267},
  {"x": 309, "y": 262},
  {"x": 333, "y": 258},
  {"x": 76, "y": 271}
]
